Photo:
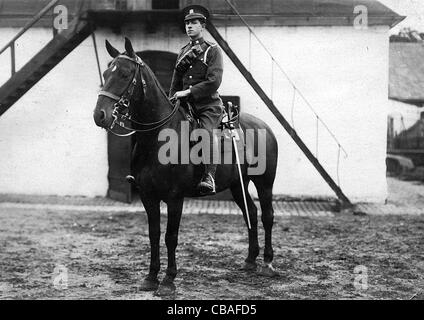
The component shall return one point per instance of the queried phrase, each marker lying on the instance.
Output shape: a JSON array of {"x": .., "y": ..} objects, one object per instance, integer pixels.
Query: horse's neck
[{"x": 156, "y": 107}]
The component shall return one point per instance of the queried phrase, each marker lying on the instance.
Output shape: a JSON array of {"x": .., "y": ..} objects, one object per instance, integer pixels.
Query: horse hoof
[
  {"x": 268, "y": 271},
  {"x": 166, "y": 289},
  {"x": 249, "y": 266},
  {"x": 149, "y": 285}
]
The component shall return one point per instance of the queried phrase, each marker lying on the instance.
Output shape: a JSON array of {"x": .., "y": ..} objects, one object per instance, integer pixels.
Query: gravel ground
[
  {"x": 409, "y": 193},
  {"x": 106, "y": 256}
]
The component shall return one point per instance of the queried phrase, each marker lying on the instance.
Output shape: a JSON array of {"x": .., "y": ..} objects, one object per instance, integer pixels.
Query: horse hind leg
[
  {"x": 236, "y": 190},
  {"x": 267, "y": 217}
]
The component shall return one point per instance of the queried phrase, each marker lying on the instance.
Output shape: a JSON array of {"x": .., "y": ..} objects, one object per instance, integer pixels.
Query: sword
[{"x": 233, "y": 138}]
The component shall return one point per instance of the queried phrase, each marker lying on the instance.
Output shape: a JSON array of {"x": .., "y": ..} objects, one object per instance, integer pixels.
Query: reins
[{"x": 123, "y": 103}]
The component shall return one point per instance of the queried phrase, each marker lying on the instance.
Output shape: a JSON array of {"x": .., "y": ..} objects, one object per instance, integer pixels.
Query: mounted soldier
[
  {"x": 196, "y": 79},
  {"x": 146, "y": 106}
]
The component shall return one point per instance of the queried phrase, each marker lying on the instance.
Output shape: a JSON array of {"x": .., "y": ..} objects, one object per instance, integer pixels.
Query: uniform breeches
[{"x": 210, "y": 117}]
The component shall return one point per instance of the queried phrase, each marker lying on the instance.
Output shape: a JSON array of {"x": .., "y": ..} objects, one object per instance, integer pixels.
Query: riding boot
[{"x": 207, "y": 184}]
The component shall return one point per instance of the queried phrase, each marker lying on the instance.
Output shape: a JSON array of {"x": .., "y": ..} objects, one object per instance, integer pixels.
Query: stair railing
[
  {"x": 34, "y": 20},
  {"x": 296, "y": 93}
]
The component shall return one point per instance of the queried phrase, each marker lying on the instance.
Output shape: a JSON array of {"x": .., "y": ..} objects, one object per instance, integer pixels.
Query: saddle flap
[
  {"x": 227, "y": 139},
  {"x": 230, "y": 127},
  {"x": 231, "y": 118}
]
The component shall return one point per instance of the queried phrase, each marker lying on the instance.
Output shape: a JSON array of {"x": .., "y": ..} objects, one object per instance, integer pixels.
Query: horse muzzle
[{"x": 100, "y": 118}]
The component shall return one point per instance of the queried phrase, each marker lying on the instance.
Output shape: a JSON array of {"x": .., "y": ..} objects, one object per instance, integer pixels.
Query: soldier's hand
[{"x": 181, "y": 94}]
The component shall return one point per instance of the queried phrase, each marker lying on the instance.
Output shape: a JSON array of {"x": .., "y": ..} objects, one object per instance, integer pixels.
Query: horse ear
[
  {"x": 129, "y": 48},
  {"x": 112, "y": 51}
]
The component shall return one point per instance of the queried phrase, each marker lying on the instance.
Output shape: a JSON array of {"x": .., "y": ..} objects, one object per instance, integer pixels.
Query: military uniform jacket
[{"x": 203, "y": 77}]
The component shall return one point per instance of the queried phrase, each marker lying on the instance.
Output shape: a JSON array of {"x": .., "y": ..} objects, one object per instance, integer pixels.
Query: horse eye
[{"x": 126, "y": 75}]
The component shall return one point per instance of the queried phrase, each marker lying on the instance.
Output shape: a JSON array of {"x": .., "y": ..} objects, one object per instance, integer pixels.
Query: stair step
[
  {"x": 14, "y": 95},
  {"x": 21, "y": 89},
  {"x": 48, "y": 66},
  {"x": 42, "y": 70},
  {"x": 68, "y": 46},
  {"x": 10, "y": 97},
  {"x": 55, "y": 53},
  {"x": 54, "y": 60},
  {"x": 30, "y": 79}
]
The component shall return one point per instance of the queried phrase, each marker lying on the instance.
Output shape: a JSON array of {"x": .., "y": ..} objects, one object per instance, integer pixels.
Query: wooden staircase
[
  {"x": 44, "y": 61},
  {"x": 345, "y": 202}
]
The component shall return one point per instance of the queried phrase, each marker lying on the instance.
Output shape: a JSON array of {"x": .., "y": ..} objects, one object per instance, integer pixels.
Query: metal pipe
[
  {"x": 97, "y": 58},
  {"x": 12, "y": 56}
]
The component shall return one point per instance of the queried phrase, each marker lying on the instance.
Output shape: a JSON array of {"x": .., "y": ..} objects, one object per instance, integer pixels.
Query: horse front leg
[
  {"x": 152, "y": 208},
  {"x": 175, "y": 208}
]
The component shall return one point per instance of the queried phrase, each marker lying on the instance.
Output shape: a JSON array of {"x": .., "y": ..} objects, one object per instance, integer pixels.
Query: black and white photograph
[{"x": 228, "y": 151}]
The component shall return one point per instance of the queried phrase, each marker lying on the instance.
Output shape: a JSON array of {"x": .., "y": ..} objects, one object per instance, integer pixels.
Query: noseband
[{"x": 120, "y": 112}]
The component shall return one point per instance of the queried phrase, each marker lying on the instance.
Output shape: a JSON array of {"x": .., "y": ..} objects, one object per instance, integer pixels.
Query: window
[
  {"x": 121, "y": 5},
  {"x": 165, "y": 4}
]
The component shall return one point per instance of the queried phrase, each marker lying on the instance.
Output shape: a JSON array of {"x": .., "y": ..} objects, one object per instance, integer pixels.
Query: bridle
[{"x": 121, "y": 109}]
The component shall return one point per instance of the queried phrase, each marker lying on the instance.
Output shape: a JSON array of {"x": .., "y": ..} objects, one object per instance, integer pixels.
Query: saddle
[
  {"x": 230, "y": 119},
  {"x": 230, "y": 125}
]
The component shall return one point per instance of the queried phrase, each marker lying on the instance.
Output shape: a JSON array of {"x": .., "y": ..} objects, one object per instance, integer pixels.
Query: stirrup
[
  {"x": 206, "y": 188},
  {"x": 130, "y": 179}
]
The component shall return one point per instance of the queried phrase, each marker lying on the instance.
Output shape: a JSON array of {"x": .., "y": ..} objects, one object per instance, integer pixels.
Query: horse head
[{"x": 122, "y": 85}]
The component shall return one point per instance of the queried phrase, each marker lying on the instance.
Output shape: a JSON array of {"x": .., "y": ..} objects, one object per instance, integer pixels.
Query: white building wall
[
  {"x": 52, "y": 146},
  {"x": 48, "y": 142},
  {"x": 343, "y": 72}
]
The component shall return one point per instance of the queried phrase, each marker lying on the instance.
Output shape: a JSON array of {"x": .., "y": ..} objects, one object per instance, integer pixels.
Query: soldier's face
[{"x": 194, "y": 28}]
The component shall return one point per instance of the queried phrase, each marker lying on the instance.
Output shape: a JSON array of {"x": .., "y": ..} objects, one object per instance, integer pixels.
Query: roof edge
[
  {"x": 397, "y": 21},
  {"x": 417, "y": 102},
  {"x": 304, "y": 20}
]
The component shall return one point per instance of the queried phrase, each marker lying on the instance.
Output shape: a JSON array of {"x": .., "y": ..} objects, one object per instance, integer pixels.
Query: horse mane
[
  {"x": 150, "y": 72},
  {"x": 155, "y": 79}
]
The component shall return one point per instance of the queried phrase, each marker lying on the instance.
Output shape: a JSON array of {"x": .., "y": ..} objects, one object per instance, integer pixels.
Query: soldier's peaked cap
[{"x": 195, "y": 12}]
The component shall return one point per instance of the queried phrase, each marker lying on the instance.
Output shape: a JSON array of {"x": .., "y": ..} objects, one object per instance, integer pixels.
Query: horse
[{"x": 130, "y": 84}]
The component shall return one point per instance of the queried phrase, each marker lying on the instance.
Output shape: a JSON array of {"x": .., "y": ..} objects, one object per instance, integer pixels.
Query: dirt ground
[{"x": 107, "y": 255}]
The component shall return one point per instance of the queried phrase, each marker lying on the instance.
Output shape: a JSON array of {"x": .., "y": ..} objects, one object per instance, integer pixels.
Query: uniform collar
[{"x": 196, "y": 42}]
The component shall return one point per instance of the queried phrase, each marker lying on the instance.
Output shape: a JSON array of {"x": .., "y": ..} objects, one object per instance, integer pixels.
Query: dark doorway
[
  {"x": 165, "y": 4},
  {"x": 162, "y": 64}
]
